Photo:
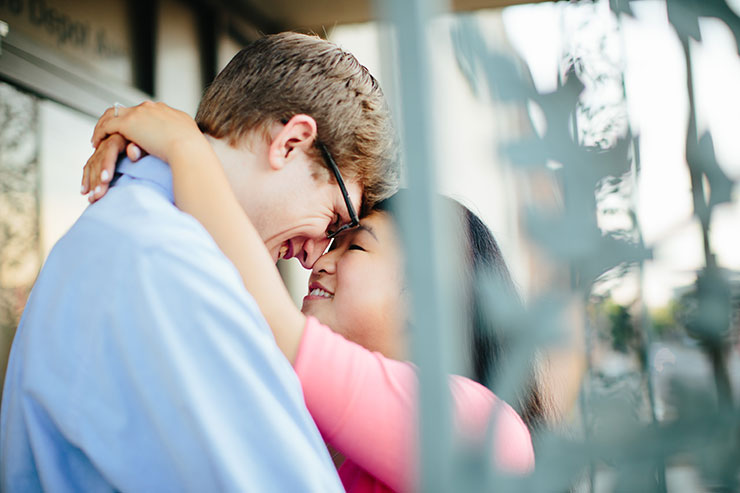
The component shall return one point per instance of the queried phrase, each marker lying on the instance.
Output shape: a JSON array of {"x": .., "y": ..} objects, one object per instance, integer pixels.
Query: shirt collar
[{"x": 150, "y": 170}]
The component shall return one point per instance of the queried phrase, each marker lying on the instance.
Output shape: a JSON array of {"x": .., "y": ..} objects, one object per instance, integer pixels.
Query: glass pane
[
  {"x": 19, "y": 209},
  {"x": 64, "y": 137},
  {"x": 92, "y": 33},
  {"x": 43, "y": 146}
]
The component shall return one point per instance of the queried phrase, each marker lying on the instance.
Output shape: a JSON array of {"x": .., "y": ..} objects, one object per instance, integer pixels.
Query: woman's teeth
[
  {"x": 320, "y": 292},
  {"x": 283, "y": 251}
]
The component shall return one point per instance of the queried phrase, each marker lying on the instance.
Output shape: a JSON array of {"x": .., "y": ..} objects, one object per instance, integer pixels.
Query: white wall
[{"x": 177, "y": 70}]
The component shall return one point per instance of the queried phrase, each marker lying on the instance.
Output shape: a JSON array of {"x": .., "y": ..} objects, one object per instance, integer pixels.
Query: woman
[{"x": 362, "y": 401}]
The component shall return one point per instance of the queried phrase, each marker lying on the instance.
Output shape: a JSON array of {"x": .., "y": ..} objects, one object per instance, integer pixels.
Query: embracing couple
[{"x": 159, "y": 349}]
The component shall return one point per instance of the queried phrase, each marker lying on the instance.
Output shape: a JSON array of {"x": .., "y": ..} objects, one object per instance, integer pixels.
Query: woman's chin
[
  {"x": 309, "y": 308},
  {"x": 319, "y": 310}
]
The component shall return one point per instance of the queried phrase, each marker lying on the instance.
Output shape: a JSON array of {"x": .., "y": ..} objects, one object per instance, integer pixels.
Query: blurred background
[{"x": 63, "y": 62}]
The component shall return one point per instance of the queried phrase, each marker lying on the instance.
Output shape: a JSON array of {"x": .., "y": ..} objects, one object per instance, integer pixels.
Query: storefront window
[
  {"x": 95, "y": 35},
  {"x": 20, "y": 256},
  {"x": 43, "y": 146}
]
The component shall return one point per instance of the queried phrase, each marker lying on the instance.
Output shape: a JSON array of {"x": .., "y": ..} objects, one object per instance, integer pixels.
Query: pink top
[{"x": 364, "y": 405}]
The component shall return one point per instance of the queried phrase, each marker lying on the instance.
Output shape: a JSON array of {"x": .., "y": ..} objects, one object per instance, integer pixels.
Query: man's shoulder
[
  {"x": 133, "y": 223},
  {"x": 143, "y": 216}
]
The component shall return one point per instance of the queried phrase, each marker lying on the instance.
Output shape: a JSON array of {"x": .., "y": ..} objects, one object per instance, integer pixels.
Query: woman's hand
[
  {"x": 155, "y": 127},
  {"x": 98, "y": 171}
]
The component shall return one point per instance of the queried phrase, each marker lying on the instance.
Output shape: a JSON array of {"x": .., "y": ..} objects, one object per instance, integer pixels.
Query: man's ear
[{"x": 295, "y": 136}]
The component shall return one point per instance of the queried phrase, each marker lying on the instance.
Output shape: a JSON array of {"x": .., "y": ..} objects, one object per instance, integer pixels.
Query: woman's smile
[{"x": 317, "y": 292}]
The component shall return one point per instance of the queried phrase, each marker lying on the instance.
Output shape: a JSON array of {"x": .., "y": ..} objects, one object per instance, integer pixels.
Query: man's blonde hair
[{"x": 282, "y": 75}]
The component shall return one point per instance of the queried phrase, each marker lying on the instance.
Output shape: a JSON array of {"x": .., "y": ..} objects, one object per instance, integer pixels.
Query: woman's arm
[{"x": 202, "y": 190}]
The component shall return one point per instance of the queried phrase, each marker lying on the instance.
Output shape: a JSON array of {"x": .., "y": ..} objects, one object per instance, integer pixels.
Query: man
[{"x": 141, "y": 363}]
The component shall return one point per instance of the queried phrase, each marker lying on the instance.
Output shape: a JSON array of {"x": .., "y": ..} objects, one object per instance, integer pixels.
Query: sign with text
[{"x": 93, "y": 33}]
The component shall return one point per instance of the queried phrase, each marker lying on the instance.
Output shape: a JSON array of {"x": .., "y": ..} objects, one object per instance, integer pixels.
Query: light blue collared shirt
[{"x": 142, "y": 364}]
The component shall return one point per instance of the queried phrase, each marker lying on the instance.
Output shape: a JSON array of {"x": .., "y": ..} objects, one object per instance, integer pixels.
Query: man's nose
[
  {"x": 312, "y": 250},
  {"x": 326, "y": 264}
]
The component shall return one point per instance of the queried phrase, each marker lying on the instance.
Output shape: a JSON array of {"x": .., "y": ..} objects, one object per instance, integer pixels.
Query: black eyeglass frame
[{"x": 354, "y": 221}]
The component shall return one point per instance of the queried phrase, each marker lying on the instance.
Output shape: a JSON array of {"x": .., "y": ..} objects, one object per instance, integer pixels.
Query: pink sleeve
[{"x": 364, "y": 404}]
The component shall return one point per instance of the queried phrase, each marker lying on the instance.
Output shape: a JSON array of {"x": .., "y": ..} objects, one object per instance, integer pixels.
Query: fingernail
[
  {"x": 104, "y": 175},
  {"x": 90, "y": 196},
  {"x": 136, "y": 151},
  {"x": 97, "y": 190},
  {"x": 82, "y": 189}
]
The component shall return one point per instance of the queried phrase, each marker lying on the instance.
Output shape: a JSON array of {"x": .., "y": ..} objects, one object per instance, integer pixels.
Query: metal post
[{"x": 426, "y": 257}]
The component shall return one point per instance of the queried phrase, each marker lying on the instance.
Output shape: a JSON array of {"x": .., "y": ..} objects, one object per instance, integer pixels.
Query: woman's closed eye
[{"x": 355, "y": 246}]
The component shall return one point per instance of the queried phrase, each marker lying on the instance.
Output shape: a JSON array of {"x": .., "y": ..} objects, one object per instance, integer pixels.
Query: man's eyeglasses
[{"x": 354, "y": 221}]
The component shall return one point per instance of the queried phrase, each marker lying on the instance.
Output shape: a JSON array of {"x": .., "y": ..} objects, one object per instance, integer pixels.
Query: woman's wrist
[{"x": 191, "y": 151}]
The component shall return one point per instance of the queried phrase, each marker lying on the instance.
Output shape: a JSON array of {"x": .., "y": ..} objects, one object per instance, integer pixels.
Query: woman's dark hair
[{"x": 488, "y": 343}]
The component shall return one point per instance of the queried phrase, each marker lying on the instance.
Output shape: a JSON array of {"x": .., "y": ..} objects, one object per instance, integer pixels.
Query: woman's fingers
[
  {"x": 85, "y": 178},
  {"x": 111, "y": 118},
  {"x": 108, "y": 143},
  {"x": 99, "y": 169},
  {"x": 115, "y": 119},
  {"x": 156, "y": 128},
  {"x": 134, "y": 152},
  {"x": 98, "y": 134}
]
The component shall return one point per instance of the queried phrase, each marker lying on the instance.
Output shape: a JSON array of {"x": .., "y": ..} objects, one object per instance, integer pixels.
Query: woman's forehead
[{"x": 379, "y": 224}]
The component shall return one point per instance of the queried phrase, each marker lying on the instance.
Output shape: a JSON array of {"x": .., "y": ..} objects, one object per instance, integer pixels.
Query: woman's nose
[{"x": 327, "y": 263}]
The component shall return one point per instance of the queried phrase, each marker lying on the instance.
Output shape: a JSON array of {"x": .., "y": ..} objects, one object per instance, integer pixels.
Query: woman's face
[{"x": 356, "y": 288}]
